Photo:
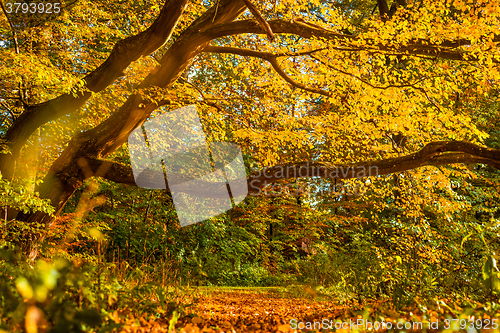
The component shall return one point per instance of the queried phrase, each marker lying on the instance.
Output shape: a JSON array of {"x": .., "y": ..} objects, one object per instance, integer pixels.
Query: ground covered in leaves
[{"x": 258, "y": 310}]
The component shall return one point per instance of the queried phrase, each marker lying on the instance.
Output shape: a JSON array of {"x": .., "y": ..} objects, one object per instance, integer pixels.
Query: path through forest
[{"x": 271, "y": 310}]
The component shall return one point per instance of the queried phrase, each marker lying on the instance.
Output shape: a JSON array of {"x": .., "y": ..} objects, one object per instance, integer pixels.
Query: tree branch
[
  {"x": 406, "y": 85},
  {"x": 271, "y": 58},
  {"x": 199, "y": 34},
  {"x": 263, "y": 23},
  {"x": 433, "y": 153},
  {"x": 383, "y": 10},
  {"x": 420, "y": 46}
]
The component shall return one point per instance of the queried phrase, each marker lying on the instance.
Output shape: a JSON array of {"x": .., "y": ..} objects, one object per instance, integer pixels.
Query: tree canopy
[{"x": 407, "y": 86}]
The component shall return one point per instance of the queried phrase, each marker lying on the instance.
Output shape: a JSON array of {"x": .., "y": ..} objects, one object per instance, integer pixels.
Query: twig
[{"x": 263, "y": 23}]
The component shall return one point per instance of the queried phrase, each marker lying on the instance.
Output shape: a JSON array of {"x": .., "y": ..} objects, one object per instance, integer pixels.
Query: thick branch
[
  {"x": 445, "y": 49},
  {"x": 114, "y": 131},
  {"x": 433, "y": 154},
  {"x": 132, "y": 48}
]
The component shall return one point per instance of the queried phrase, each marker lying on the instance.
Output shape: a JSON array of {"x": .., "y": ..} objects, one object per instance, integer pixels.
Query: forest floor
[{"x": 275, "y": 310}]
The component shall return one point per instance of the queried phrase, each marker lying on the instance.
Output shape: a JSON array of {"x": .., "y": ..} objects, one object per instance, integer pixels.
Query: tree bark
[{"x": 433, "y": 154}]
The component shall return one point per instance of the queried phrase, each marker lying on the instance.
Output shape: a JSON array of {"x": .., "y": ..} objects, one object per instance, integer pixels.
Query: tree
[{"x": 307, "y": 86}]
